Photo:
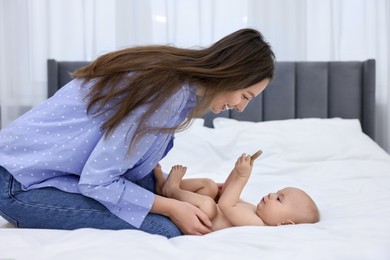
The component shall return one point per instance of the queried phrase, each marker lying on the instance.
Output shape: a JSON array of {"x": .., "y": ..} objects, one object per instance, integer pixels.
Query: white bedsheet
[{"x": 343, "y": 170}]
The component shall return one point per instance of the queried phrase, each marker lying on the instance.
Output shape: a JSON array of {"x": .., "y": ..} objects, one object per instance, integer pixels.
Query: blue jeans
[{"x": 51, "y": 208}]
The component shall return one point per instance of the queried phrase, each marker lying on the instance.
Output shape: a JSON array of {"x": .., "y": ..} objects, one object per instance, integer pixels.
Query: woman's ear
[{"x": 287, "y": 222}]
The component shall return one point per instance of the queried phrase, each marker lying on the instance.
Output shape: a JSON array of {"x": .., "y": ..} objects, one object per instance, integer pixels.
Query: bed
[{"x": 315, "y": 125}]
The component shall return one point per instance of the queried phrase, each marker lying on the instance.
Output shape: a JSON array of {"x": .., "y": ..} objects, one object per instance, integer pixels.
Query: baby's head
[{"x": 287, "y": 206}]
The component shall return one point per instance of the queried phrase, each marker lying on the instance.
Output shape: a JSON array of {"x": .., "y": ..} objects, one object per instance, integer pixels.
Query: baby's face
[{"x": 283, "y": 207}]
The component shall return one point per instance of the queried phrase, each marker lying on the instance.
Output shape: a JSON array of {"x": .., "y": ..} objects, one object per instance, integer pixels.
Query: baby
[{"x": 223, "y": 205}]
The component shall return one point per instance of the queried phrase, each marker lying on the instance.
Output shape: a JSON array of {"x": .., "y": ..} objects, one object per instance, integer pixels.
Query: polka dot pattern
[{"x": 57, "y": 144}]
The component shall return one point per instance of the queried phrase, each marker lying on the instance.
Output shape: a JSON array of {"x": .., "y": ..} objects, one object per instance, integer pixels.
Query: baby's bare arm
[
  {"x": 238, "y": 213},
  {"x": 253, "y": 157}
]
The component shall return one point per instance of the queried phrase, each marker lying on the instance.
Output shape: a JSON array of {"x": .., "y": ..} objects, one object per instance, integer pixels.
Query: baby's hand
[{"x": 243, "y": 165}]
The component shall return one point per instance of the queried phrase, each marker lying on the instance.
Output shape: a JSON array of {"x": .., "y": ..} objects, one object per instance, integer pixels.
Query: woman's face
[{"x": 238, "y": 99}]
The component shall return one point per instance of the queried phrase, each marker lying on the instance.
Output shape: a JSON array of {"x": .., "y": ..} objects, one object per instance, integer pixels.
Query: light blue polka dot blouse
[{"x": 58, "y": 144}]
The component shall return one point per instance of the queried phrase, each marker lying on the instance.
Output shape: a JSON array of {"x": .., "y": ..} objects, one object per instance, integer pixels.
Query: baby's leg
[
  {"x": 172, "y": 189},
  {"x": 173, "y": 180},
  {"x": 160, "y": 179},
  {"x": 203, "y": 186}
]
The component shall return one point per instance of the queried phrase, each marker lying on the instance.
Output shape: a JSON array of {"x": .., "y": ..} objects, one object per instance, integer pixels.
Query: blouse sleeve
[{"x": 109, "y": 172}]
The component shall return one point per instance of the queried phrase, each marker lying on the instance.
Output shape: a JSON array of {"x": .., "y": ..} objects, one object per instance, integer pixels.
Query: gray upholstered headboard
[{"x": 299, "y": 90}]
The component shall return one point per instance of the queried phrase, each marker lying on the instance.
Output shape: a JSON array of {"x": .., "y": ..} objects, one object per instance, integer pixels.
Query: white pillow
[{"x": 311, "y": 139}]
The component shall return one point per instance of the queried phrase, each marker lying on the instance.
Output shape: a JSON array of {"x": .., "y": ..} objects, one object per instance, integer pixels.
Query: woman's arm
[{"x": 110, "y": 173}]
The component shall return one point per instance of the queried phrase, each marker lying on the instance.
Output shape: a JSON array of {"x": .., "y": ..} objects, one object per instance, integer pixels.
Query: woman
[{"x": 85, "y": 157}]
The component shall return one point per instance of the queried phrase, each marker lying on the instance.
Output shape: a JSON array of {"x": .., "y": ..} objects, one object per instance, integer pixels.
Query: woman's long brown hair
[{"x": 235, "y": 62}]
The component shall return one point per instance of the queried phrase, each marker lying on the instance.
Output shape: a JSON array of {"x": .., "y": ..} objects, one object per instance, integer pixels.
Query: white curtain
[{"x": 31, "y": 31}]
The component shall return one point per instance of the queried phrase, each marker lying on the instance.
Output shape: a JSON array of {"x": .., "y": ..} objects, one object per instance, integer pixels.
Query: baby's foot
[
  {"x": 173, "y": 181},
  {"x": 160, "y": 179}
]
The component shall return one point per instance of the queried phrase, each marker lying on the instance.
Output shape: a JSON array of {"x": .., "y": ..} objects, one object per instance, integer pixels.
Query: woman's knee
[{"x": 160, "y": 225}]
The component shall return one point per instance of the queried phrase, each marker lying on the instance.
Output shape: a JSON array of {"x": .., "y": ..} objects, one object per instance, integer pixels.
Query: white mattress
[{"x": 343, "y": 170}]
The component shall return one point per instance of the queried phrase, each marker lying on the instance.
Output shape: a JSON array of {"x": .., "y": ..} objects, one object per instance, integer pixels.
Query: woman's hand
[
  {"x": 190, "y": 219},
  {"x": 187, "y": 217}
]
